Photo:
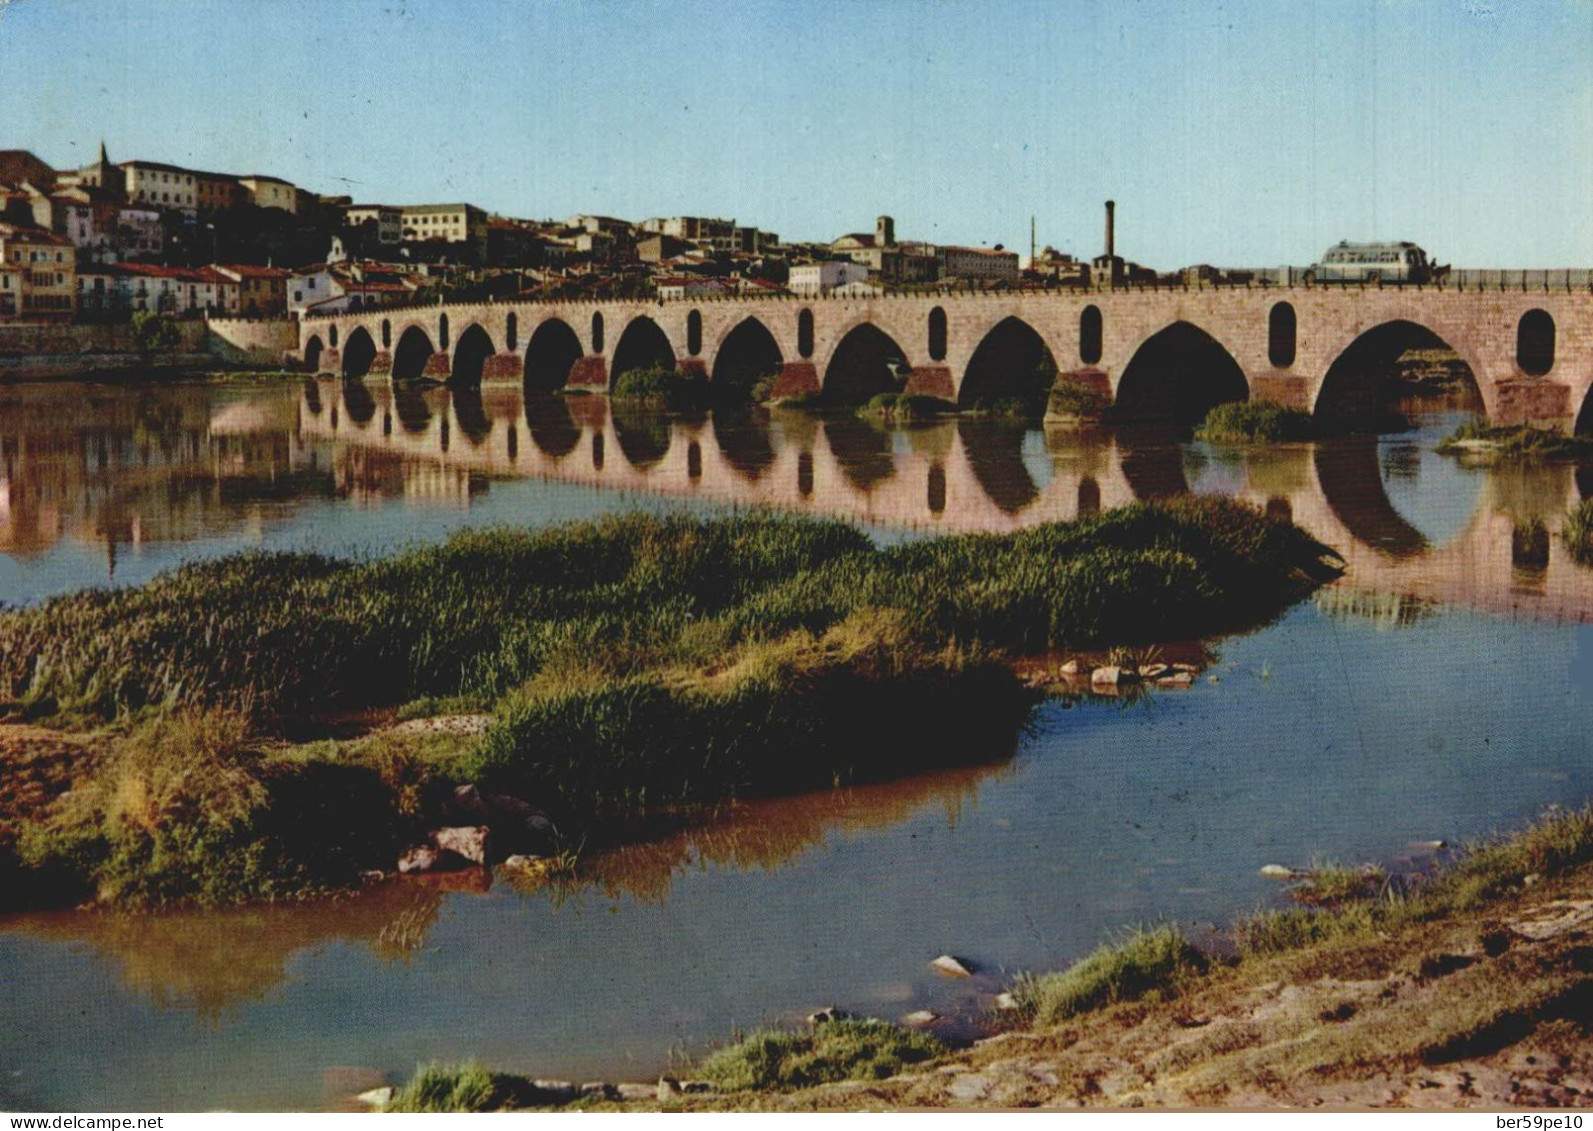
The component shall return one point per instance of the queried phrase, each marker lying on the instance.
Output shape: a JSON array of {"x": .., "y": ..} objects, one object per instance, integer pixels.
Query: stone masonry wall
[{"x": 1480, "y": 325}]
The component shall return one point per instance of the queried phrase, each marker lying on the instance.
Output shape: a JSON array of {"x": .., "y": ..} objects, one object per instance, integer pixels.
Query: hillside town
[{"x": 101, "y": 242}]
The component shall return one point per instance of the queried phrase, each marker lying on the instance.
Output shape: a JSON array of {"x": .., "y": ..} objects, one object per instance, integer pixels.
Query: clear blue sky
[{"x": 1254, "y": 133}]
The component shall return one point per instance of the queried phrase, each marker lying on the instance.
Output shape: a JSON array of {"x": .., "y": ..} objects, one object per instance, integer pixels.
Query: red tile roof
[
  {"x": 32, "y": 235},
  {"x": 249, "y": 271}
]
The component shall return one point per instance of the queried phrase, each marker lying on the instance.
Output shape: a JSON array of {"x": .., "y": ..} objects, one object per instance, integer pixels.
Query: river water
[{"x": 1441, "y": 690}]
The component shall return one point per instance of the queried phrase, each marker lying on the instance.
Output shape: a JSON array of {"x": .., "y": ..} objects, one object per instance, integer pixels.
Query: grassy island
[
  {"x": 658, "y": 387},
  {"x": 1255, "y": 422},
  {"x": 905, "y": 408},
  {"x": 625, "y": 668},
  {"x": 1520, "y": 441}
]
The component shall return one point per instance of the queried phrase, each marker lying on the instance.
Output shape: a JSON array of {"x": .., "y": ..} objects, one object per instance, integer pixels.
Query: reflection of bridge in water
[{"x": 970, "y": 475}]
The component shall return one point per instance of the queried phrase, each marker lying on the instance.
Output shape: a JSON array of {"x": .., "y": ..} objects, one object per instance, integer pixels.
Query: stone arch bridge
[{"x": 1530, "y": 352}]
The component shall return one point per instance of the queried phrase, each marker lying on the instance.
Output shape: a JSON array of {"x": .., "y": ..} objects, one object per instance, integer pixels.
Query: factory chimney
[{"x": 1111, "y": 239}]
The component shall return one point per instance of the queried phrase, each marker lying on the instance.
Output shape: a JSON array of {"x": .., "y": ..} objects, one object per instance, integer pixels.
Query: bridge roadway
[
  {"x": 942, "y": 478},
  {"x": 1285, "y": 340}
]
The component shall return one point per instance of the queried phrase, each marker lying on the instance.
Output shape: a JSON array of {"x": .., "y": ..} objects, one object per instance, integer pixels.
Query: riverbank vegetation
[
  {"x": 1576, "y": 532},
  {"x": 629, "y": 666},
  {"x": 783, "y": 1060},
  {"x": 905, "y": 408},
  {"x": 1074, "y": 401},
  {"x": 1518, "y": 441},
  {"x": 1255, "y": 422},
  {"x": 1461, "y": 985},
  {"x": 660, "y": 387}
]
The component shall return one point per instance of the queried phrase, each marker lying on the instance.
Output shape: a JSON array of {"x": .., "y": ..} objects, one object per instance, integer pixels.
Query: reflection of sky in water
[
  {"x": 1037, "y": 459},
  {"x": 1433, "y": 493}
]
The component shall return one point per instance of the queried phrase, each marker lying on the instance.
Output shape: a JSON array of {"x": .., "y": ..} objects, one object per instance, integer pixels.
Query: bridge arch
[
  {"x": 1011, "y": 361},
  {"x": 805, "y": 333},
  {"x": 470, "y": 355},
  {"x": 597, "y": 331},
  {"x": 643, "y": 345},
  {"x": 387, "y": 334},
  {"x": 1181, "y": 371},
  {"x": 865, "y": 361},
  {"x": 551, "y": 353},
  {"x": 1584, "y": 421},
  {"x": 511, "y": 332},
  {"x": 742, "y": 433},
  {"x": 643, "y": 436},
  {"x": 358, "y": 353},
  {"x": 1359, "y": 382},
  {"x": 414, "y": 350},
  {"x": 409, "y": 403},
  {"x": 358, "y": 404},
  {"x": 312, "y": 353},
  {"x": 553, "y": 430},
  {"x": 471, "y": 412},
  {"x": 994, "y": 451},
  {"x": 1350, "y": 477},
  {"x": 1535, "y": 342},
  {"x": 442, "y": 332},
  {"x": 862, "y": 452},
  {"x": 745, "y": 355}
]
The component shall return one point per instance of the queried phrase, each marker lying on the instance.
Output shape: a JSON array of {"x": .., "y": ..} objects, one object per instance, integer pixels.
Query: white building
[
  {"x": 822, "y": 278},
  {"x": 310, "y": 287},
  {"x": 271, "y": 192},
  {"x": 164, "y": 186},
  {"x": 691, "y": 286},
  {"x": 389, "y": 221}
]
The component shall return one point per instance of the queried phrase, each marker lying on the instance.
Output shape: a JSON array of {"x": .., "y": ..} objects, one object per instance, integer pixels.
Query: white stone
[
  {"x": 921, "y": 1017},
  {"x": 469, "y": 841},
  {"x": 421, "y": 858},
  {"x": 376, "y": 1097},
  {"x": 1106, "y": 676},
  {"x": 951, "y": 967}
]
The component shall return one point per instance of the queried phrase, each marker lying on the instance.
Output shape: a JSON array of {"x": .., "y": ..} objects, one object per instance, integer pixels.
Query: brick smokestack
[{"x": 1111, "y": 234}]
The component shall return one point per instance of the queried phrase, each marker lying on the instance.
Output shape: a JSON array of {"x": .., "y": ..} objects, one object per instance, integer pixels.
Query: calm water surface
[{"x": 1441, "y": 690}]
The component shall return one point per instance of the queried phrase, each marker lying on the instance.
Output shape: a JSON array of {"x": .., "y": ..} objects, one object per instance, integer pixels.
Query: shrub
[
  {"x": 1328, "y": 884},
  {"x": 154, "y": 333},
  {"x": 1576, "y": 532},
  {"x": 1076, "y": 399},
  {"x": 459, "y": 1088},
  {"x": 781, "y": 1060},
  {"x": 656, "y": 386},
  {"x": 904, "y": 407},
  {"x": 1255, "y": 422},
  {"x": 1155, "y": 960},
  {"x": 1519, "y": 441}
]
